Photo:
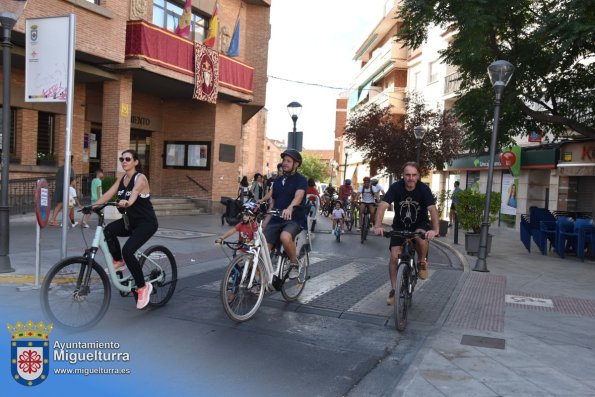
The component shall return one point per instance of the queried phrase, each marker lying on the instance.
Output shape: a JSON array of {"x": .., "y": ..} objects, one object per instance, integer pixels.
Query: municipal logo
[
  {"x": 34, "y": 33},
  {"x": 30, "y": 358}
]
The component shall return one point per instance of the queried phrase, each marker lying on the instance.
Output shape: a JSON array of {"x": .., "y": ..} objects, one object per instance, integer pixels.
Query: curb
[
  {"x": 17, "y": 279},
  {"x": 455, "y": 252}
]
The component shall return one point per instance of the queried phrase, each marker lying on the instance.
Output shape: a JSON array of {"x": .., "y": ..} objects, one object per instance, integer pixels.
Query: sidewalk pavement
[{"x": 525, "y": 328}]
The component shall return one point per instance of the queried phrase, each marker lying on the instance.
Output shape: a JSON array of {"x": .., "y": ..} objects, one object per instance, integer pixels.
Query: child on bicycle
[
  {"x": 338, "y": 215},
  {"x": 245, "y": 229}
]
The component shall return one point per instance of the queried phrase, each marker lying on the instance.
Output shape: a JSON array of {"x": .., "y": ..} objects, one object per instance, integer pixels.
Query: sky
[{"x": 314, "y": 41}]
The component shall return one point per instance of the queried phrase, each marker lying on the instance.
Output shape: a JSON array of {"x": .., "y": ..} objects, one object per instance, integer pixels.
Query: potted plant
[
  {"x": 47, "y": 159},
  {"x": 441, "y": 198},
  {"x": 470, "y": 207}
]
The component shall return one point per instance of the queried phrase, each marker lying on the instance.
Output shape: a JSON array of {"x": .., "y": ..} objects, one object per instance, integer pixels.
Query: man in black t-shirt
[{"x": 412, "y": 200}]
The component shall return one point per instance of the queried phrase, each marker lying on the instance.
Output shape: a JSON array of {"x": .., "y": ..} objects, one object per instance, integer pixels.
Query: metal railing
[
  {"x": 21, "y": 191},
  {"x": 452, "y": 83}
]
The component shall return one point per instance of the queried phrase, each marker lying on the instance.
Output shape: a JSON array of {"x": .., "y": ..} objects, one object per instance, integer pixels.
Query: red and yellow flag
[
  {"x": 185, "y": 22},
  {"x": 211, "y": 40}
]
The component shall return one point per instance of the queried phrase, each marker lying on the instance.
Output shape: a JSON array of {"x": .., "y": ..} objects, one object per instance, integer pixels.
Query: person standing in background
[
  {"x": 96, "y": 192},
  {"x": 453, "y": 205}
]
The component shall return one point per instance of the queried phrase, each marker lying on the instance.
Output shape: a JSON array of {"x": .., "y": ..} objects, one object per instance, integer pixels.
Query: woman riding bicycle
[{"x": 138, "y": 222}]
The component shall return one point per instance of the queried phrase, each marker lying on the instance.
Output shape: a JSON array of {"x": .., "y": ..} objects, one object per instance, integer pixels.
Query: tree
[
  {"x": 313, "y": 167},
  {"x": 551, "y": 44},
  {"x": 388, "y": 142}
]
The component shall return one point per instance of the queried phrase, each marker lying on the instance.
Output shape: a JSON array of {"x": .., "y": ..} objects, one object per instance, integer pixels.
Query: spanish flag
[
  {"x": 185, "y": 21},
  {"x": 211, "y": 40}
]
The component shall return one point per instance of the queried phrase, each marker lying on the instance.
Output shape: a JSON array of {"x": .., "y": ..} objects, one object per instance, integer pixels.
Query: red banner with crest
[{"x": 206, "y": 73}]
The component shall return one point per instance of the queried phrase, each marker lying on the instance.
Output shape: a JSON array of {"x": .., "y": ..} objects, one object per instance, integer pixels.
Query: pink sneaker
[{"x": 144, "y": 294}]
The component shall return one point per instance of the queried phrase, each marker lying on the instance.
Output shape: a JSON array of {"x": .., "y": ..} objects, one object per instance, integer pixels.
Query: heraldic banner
[{"x": 206, "y": 73}]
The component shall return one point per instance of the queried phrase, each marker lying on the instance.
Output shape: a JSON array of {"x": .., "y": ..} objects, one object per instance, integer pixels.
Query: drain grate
[{"x": 483, "y": 341}]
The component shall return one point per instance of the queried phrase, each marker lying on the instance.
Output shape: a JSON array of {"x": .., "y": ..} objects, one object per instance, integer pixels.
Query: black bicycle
[
  {"x": 366, "y": 221},
  {"x": 406, "y": 275}
]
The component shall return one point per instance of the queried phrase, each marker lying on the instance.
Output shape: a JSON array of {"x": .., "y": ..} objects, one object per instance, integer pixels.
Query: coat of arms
[{"x": 29, "y": 358}]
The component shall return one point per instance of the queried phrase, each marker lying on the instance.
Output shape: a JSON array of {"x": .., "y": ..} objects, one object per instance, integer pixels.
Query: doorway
[{"x": 140, "y": 141}]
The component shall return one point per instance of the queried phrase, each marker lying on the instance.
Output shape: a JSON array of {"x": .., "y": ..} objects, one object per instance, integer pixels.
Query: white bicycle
[{"x": 252, "y": 273}]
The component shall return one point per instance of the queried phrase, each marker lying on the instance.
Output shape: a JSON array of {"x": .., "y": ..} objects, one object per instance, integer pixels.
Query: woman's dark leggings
[{"x": 139, "y": 235}]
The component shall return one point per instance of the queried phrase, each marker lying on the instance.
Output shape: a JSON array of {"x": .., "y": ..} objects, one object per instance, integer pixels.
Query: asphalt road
[{"x": 339, "y": 339}]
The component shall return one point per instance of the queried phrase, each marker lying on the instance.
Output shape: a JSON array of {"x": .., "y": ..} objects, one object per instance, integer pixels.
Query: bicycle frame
[
  {"x": 124, "y": 284},
  {"x": 260, "y": 250}
]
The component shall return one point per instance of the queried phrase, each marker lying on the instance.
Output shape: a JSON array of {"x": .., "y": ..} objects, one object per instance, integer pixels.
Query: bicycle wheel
[
  {"x": 401, "y": 297},
  {"x": 338, "y": 234},
  {"x": 159, "y": 263},
  {"x": 364, "y": 228},
  {"x": 239, "y": 302},
  {"x": 326, "y": 210},
  {"x": 292, "y": 289},
  {"x": 67, "y": 301},
  {"x": 348, "y": 219}
]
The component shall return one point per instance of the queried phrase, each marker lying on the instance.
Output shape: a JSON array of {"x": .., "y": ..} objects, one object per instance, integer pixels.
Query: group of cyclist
[
  {"x": 368, "y": 195},
  {"x": 411, "y": 197}
]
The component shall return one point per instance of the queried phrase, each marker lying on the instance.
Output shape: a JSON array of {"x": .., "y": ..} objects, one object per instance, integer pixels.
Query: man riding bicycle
[
  {"x": 367, "y": 195},
  {"x": 289, "y": 191},
  {"x": 345, "y": 191},
  {"x": 412, "y": 200}
]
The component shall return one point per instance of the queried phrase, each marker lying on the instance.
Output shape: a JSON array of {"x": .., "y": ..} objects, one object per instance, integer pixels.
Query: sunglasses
[{"x": 126, "y": 159}]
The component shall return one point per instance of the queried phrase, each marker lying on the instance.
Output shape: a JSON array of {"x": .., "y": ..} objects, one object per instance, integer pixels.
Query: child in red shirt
[{"x": 245, "y": 229}]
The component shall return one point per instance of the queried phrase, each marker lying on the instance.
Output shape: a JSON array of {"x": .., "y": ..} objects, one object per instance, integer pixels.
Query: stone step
[
  {"x": 185, "y": 212},
  {"x": 185, "y": 206}
]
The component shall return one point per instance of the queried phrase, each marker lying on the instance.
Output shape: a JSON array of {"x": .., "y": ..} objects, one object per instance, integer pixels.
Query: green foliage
[
  {"x": 548, "y": 41},
  {"x": 313, "y": 167},
  {"x": 441, "y": 198},
  {"x": 45, "y": 156},
  {"x": 470, "y": 208},
  {"x": 388, "y": 143},
  {"x": 107, "y": 182}
]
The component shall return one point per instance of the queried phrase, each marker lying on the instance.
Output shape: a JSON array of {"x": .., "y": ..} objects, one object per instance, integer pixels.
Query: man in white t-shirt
[{"x": 367, "y": 196}]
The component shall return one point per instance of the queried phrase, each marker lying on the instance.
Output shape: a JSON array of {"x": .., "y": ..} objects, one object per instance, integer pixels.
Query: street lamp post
[
  {"x": 419, "y": 133},
  {"x": 10, "y": 12},
  {"x": 294, "y": 139},
  {"x": 345, "y": 168},
  {"x": 500, "y": 73}
]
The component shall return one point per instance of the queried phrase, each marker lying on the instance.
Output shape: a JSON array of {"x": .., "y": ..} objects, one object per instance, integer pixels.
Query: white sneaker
[
  {"x": 294, "y": 271},
  {"x": 75, "y": 224}
]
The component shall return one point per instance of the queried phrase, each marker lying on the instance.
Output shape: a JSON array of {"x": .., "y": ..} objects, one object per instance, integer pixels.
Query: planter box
[
  {"x": 49, "y": 163},
  {"x": 472, "y": 243},
  {"x": 443, "y": 228}
]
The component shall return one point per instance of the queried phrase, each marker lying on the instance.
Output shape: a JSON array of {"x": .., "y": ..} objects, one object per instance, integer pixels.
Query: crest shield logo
[
  {"x": 34, "y": 33},
  {"x": 29, "y": 353}
]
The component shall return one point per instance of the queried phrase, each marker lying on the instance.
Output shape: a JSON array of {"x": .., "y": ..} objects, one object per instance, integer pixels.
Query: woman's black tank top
[{"x": 142, "y": 210}]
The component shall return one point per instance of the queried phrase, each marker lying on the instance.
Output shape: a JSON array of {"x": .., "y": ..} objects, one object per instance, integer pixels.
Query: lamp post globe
[
  {"x": 10, "y": 12},
  {"x": 500, "y": 73},
  {"x": 293, "y": 142}
]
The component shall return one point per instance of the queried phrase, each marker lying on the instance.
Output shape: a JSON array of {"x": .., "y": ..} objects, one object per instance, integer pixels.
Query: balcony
[
  {"x": 392, "y": 96},
  {"x": 156, "y": 46},
  {"x": 384, "y": 59},
  {"x": 451, "y": 83}
]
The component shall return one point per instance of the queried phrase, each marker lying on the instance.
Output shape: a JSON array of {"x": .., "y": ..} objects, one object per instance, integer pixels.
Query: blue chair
[
  {"x": 547, "y": 231},
  {"x": 564, "y": 233},
  {"x": 586, "y": 235}
]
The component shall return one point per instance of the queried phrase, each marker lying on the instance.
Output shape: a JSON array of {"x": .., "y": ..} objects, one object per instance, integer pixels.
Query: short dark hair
[{"x": 457, "y": 183}]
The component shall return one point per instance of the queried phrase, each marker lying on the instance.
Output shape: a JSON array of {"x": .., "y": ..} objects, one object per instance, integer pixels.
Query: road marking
[
  {"x": 327, "y": 281},
  {"x": 530, "y": 301}
]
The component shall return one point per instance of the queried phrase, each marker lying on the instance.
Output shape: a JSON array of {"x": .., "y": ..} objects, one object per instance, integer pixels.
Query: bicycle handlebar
[
  {"x": 403, "y": 233},
  {"x": 96, "y": 208}
]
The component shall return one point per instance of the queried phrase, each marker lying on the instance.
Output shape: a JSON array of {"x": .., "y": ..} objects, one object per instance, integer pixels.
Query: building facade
[{"x": 134, "y": 83}]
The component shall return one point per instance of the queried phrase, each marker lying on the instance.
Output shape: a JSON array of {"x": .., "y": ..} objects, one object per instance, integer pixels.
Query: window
[
  {"x": 45, "y": 133},
  {"x": 94, "y": 1},
  {"x": 433, "y": 72},
  {"x": 13, "y": 140},
  {"x": 416, "y": 80},
  {"x": 187, "y": 155},
  {"x": 167, "y": 13}
]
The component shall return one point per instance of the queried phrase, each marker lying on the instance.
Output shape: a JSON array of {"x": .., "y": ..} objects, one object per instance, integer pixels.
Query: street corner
[{"x": 453, "y": 253}]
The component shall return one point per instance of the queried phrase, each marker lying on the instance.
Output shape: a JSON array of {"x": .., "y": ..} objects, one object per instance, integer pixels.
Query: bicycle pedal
[{"x": 277, "y": 283}]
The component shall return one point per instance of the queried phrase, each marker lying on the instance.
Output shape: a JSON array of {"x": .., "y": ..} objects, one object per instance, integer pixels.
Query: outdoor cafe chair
[
  {"x": 586, "y": 235},
  {"x": 564, "y": 234}
]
